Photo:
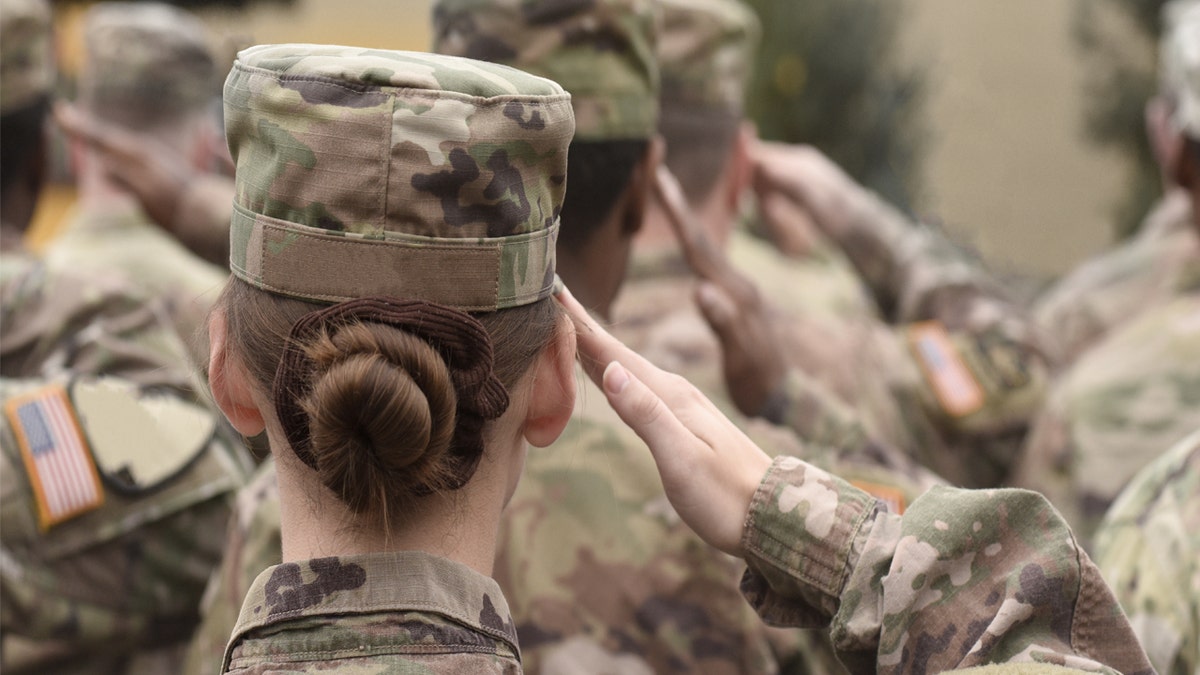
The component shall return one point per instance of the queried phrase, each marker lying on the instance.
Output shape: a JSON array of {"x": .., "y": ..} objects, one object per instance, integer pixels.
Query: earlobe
[
  {"x": 230, "y": 387},
  {"x": 552, "y": 399}
]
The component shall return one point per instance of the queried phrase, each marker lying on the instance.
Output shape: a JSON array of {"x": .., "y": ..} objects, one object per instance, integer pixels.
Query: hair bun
[{"x": 381, "y": 415}]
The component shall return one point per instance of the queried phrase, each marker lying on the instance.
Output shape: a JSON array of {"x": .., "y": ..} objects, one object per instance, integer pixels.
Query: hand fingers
[
  {"x": 87, "y": 129},
  {"x": 648, "y": 415},
  {"x": 718, "y": 308},
  {"x": 698, "y": 251},
  {"x": 598, "y": 348}
]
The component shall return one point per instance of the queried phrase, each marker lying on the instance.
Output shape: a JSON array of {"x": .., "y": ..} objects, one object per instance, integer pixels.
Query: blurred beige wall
[
  {"x": 1009, "y": 167},
  {"x": 384, "y": 24}
]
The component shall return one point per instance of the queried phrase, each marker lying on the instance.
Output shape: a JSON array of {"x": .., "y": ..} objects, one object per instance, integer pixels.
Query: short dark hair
[
  {"x": 699, "y": 144},
  {"x": 597, "y": 173},
  {"x": 21, "y": 130}
]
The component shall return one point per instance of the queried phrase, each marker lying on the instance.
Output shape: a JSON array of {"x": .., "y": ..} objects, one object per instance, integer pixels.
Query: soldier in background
[
  {"x": 1153, "y": 266},
  {"x": 1148, "y": 549},
  {"x": 110, "y": 489},
  {"x": 149, "y": 69},
  {"x": 1133, "y": 393}
]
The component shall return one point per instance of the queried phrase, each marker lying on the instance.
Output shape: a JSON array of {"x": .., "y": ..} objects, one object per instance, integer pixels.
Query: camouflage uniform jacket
[
  {"x": 401, "y": 612},
  {"x": 955, "y": 380},
  {"x": 116, "y": 585},
  {"x": 1114, "y": 288},
  {"x": 601, "y": 574},
  {"x": 962, "y": 579},
  {"x": 673, "y": 335},
  {"x": 1116, "y": 409},
  {"x": 1148, "y": 549},
  {"x": 123, "y": 240}
]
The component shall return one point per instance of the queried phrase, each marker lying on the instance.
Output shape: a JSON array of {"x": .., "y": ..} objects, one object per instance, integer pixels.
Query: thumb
[{"x": 718, "y": 308}]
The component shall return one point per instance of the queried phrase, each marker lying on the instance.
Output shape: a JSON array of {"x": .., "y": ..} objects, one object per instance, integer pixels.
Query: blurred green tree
[
  {"x": 828, "y": 74},
  {"x": 1118, "y": 40}
]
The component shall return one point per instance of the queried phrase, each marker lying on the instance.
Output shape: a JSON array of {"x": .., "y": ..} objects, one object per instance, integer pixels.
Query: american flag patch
[
  {"x": 955, "y": 387},
  {"x": 60, "y": 467}
]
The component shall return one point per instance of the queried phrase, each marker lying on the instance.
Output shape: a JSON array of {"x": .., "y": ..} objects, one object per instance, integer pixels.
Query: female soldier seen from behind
[{"x": 390, "y": 326}]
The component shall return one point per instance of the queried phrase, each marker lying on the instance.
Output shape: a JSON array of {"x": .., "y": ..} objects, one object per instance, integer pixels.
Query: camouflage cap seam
[{"x": 414, "y": 91}]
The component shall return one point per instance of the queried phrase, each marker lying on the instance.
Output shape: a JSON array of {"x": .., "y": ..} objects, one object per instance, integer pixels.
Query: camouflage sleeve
[
  {"x": 1148, "y": 549},
  {"x": 202, "y": 218},
  {"x": 963, "y": 578}
]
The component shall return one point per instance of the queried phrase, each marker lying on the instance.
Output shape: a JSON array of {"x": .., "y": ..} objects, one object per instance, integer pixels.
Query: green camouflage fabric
[
  {"x": 957, "y": 370},
  {"x": 602, "y": 575},
  {"x": 1179, "y": 55},
  {"x": 1117, "y": 408},
  {"x": 121, "y": 240},
  {"x": 402, "y": 612},
  {"x": 601, "y": 51},
  {"x": 1148, "y": 549},
  {"x": 963, "y": 579},
  {"x": 115, "y": 589},
  {"x": 145, "y": 62},
  {"x": 362, "y": 172},
  {"x": 26, "y": 60},
  {"x": 1117, "y": 286},
  {"x": 706, "y": 52},
  {"x": 252, "y": 544}
]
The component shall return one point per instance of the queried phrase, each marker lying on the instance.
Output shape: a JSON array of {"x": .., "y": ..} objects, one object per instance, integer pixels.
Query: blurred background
[{"x": 1016, "y": 125}]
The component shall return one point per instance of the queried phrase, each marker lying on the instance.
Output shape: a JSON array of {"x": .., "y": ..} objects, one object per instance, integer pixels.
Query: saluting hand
[
  {"x": 709, "y": 468},
  {"x": 752, "y": 354}
]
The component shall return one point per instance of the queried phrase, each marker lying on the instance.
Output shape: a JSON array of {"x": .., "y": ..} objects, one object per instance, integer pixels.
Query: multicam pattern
[
  {"x": 706, "y": 52},
  {"x": 122, "y": 241},
  {"x": 1114, "y": 288},
  {"x": 601, "y": 573},
  {"x": 117, "y": 587},
  {"x": 962, "y": 579},
  {"x": 26, "y": 62},
  {"x": 401, "y": 612},
  {"x": 1148, "y": 549},
  {"x": 601, "y": 51},
  {"x": 144, "y": 53},
  {"x": 922, "y": 282},
  {"x": 360, "y": 172},
  {"x": 1125, "y": 401}
]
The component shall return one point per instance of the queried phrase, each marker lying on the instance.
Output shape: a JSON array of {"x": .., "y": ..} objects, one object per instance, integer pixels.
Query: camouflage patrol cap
[
  {"x": 364, "y": 172},
  {"x": 1180, "y": 57},
  {"x": 602, "y": 51},
  {"x": 706, "y": 52},
  {"x": 26, "y": 61},
  {"x": 145, "y": 56}
]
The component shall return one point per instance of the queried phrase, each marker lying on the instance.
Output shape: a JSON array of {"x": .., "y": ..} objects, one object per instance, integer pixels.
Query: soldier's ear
[
  {"x": 741, "y": 168},
  {"x": 552, "y": 395},
  {"x": 230, "y": 382}
]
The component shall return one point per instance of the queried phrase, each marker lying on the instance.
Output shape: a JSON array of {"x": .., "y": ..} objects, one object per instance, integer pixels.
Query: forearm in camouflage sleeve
[{"x": 963, "y": 578}]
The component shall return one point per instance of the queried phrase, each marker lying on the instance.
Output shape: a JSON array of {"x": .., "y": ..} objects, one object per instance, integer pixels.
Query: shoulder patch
[
  {"x": 956, "y": 389},
  {"x": 60, "y": 467}
]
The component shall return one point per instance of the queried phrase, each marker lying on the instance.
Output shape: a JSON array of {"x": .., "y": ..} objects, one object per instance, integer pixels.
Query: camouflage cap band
[
  {"x": 315, "y": 264},
  {"x": 417, "y": 176}
]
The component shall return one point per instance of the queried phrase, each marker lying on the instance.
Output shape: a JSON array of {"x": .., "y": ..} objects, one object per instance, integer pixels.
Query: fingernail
[{"x": 616, "y": 378}]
